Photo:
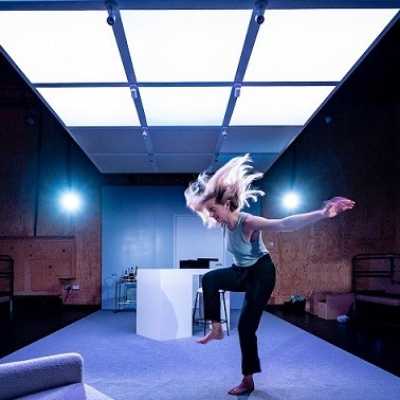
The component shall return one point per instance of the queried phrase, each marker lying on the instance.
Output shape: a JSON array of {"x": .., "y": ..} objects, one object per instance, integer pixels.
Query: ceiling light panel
[
  {"x": 313, "y": 45},
  {"x": 185, "y": 139},
  {"x": 261, "y": 161},
  {"x": 102, "y": 106},
  {"x": 110, "y": 139},
  {"x": 183, "y": 163},
  {"x": 278, "y": 105},
  {"x": 174, "y": 106},
  {"x": 62, "y": 46},
  {"x": 185, "y": 45},
  {"x": 258, "y": 139},
  {"x": 122, "y": 163}
]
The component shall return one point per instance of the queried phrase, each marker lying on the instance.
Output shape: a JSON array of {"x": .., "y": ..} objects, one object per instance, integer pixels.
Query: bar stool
[{"x": 199, "y": 301}]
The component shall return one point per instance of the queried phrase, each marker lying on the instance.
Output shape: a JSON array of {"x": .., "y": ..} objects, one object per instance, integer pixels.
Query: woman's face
[{"x": 217, "y": 211}]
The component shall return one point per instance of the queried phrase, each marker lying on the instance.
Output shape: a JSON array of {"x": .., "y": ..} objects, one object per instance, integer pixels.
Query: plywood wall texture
[
  {"x": 42, "y": 263},
  {"x": 37, "y": 160},
  {"x": 354, "y": 153},
  {"x": 18, "y": 161}
]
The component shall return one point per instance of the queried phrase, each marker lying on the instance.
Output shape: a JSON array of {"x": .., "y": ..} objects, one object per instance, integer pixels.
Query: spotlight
[
  {"x": 111, "y": 13},
  {"x": 70, "y": 201},
  {"x": 236, "y": 91},
  {"x": 259, "y": 9},
  {"x": 134, "y": 91},
  {"x": 259, "y": 19},
  {"x": 291, "y": 200},
  {"x": 111, "y": 19}
]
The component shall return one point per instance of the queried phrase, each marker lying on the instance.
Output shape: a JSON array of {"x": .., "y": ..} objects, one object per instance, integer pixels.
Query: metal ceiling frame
[
  {"x": 192, "y": 4},
  {"x": 113, "y": 8}
]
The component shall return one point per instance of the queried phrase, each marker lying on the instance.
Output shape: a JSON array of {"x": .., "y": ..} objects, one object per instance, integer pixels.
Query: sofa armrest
[{"x": 24, "y": 377}]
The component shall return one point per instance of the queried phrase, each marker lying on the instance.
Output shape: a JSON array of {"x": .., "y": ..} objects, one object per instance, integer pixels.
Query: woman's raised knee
[{"x": 208, "y": 282}]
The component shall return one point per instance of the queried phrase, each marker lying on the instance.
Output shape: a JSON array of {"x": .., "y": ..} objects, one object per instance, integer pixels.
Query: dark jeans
[{"x": 258, "y": 282}]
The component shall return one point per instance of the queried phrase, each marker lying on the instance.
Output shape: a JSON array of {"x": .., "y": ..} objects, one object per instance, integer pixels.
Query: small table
[{"x": 121, "y": 300}]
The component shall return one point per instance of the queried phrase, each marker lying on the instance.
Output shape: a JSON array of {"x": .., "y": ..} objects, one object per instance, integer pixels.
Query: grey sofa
[{"x": 56, "y": 377}]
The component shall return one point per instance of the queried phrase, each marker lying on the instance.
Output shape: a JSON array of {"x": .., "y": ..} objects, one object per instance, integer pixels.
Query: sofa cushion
[{"x": 21, "y": 378}]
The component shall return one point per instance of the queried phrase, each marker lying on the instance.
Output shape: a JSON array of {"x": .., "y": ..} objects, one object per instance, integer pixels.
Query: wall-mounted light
[
  {"x": 291, "y": 200},
  {"x": 70, "y": 201}
]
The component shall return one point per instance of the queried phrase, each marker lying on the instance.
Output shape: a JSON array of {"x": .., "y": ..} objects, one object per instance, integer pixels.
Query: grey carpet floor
[{"x": 296, "y": 365}]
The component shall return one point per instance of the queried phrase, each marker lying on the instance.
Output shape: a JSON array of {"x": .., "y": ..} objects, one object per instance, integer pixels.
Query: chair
[
  {"x": 53, "y": 377},
  {"x": 199, "y": 301},
  {"x": 7, "y": 282}
]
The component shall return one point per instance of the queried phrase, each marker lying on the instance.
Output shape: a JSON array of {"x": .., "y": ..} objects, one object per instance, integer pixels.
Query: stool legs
[
  {"x": 225, "y": 312},
  {"x": 195, "y": 308},
  {"x": 198, "y": 302}
]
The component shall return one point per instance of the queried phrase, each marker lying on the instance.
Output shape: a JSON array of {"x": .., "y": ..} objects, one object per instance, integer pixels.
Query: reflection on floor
[
  {"x": 35, "y": 317},
  {"x": 296, "y": 364},
  {"x": 372, "y": 340},
  {"x": 373, "y": 334}
]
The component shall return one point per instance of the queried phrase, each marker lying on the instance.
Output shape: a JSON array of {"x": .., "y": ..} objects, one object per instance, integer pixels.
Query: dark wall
[
  {"x": 350, "y": 149},
  {"x": 37, "y": 160},
  {"x": 397, "y": 174}
]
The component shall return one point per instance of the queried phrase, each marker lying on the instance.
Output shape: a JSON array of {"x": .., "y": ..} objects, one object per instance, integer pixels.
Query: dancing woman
[{"x": 218, "y": 200}]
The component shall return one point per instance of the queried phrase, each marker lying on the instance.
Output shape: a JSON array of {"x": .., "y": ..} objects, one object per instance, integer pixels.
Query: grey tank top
[{"x": 245, "y": 252}]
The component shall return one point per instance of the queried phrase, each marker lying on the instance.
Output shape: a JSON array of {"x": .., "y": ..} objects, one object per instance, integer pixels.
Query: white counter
[{"x": 165, "y": 299}]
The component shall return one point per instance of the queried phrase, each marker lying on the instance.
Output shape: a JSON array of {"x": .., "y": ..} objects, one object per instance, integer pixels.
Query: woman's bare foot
[
  {"x": 245, "y": 387},
  {"x": 216, "y": 333}
]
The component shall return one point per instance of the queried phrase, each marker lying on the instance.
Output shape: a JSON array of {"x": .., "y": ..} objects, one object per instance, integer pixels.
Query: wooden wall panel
[
  {"x": 39, "y": 263},
  {"x": 18, "y": 162},
  {"x": 43, "y": 276},
  {"x": 318, "y": 258},
  {"x": 38, "y": 160},
  {"x": 356, "y": 155}
]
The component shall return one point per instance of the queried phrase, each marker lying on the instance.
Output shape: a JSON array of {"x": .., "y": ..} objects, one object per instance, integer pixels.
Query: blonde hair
[{"x": 232, "y": 182}]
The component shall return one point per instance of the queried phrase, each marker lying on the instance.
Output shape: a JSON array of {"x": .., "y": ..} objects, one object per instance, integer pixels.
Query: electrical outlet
[{"x": 75, "y": 286}]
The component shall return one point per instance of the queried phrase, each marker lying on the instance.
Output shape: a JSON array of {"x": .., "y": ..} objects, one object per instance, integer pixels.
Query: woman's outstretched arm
[{"x": 330, "y": 209}]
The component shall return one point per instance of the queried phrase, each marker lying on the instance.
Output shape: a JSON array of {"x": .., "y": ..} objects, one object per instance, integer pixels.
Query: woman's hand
[{"x": 336, "y": 205}]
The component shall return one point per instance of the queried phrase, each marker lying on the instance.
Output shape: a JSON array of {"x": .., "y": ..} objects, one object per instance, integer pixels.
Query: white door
[{"x": 193, "y": 240}]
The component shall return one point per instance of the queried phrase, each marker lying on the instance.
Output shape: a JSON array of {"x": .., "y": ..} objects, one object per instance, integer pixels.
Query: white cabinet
[{"x": 165, "y": 299}]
